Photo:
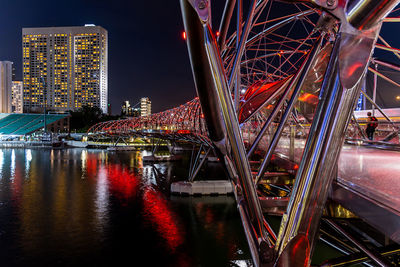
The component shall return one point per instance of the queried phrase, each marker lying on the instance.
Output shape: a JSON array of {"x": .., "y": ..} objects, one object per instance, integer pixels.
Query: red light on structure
[
  {"x": 217, "y": 33},
  {"x": 184, "y": 35},
  {"x": 352, "y": 69},
  {"x": 183, "y": 132},
  {"x": 309, "y": 98}
]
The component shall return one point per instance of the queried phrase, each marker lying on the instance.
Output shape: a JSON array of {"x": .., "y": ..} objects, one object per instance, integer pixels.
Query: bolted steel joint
[
  {"x": 330, "y": 3},
  {"x": 202, "y": 4},
  {"x": 202, "y": 8},
  {"x": 239, "y": 191},
  {"x": 266, "y": 252}
]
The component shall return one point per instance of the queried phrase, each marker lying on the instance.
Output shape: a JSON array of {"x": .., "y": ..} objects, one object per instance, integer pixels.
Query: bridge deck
[
  {"x": 373, "y": 172},
  {"x": 368, "y": 183}
]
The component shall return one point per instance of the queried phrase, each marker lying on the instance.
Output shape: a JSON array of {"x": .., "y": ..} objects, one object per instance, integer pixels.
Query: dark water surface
[{"x": 81, "y": 207}]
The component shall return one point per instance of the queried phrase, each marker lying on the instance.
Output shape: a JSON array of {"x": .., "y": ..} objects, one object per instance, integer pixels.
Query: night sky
[{"x": 147, "y": 56}]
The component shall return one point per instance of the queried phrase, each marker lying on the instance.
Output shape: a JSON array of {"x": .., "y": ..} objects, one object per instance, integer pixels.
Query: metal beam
[
  {"x": 377, "y": 73},
  {"x": 196, "y": 171},
  {"x": 238, "y": 33},
  {"x": 226, "y": 19},
  {"x": 386, "y": 64},
  {"x": 340, "y": 89},
  {"x": 376, "y": 257},
  {"x": 380, "y": 110},
  {"x": 296, "y": 85},
  {"x": 212, "y": 87},
  {"x": 242, "y": 43}
]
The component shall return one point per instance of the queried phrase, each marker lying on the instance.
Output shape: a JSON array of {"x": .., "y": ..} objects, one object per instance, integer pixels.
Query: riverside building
[
  {"x": 5, "y": 86},
  {"x": 65, "y": 68},
  {"x": 145, "y": 106},
  {"x": 17, "y": 96}
]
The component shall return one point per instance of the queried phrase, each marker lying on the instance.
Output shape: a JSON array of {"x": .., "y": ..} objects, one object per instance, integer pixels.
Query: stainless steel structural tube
[
  {"x": 374, "y": 89},
  {"x": 202, "y": 75},
  {"x": 297, "y": 84},
  {"x": 238, "y": 33},
  {"x": 339, "y": 92},
  {"x": 300, "y": 222},
  {"x": 198, "y": 167},
  {"x": 364, "y": 14},
  {"x": 226, "y": 18},
  {"x": 212, "y": 87},
  {"x": 268, "y": 122},
  {"x": 386, "y": 64},
  {"x": 359, "y": 127},
  {"x": 376, "y": 257},
  {"x": 373, "y": 103},
  {"x": 238, "y": 152},
  {"x": 242, "y": 43}
]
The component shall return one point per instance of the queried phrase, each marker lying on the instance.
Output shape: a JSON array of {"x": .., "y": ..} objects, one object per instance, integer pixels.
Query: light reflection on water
[
  {"x": 12, "y": 165},
  {"x": 102, "y": 201},
  {"x": 1, "y": 162},
  {"x": 78, "y": 206},
  {"x": 28, "y": 159}
]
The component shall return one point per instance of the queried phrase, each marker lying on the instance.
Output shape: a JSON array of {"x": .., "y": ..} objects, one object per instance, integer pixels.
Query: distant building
[
  {"x": 129, "y": 111},
  {"x": 126, "y": 109},
  {"x": 145, "y": 106},
  {"x": 65, "y": 68},
  {"x": 17, "y": 97},
  {"x": 136, "y": 112},
  {"x": 109, "y": 109},
  {"x": 5, "y": 86}
]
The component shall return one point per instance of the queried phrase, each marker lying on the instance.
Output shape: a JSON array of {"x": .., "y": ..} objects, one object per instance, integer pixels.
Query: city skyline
[
  {"x": 273, "y": 140},
  {"x": 143, "y": 43}
]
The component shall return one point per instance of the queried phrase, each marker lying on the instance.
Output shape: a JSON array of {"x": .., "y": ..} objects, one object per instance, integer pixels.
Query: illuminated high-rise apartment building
[
  {"x": 5, "y": 86},
  {"x": 65, "y": 68},
  {"x": 17, "y": 96},
  {"x": 145, "y": 106}
]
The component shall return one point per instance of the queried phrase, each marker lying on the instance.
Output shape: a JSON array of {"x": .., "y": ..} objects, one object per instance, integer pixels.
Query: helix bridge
[{"x": 288, "y": 84}]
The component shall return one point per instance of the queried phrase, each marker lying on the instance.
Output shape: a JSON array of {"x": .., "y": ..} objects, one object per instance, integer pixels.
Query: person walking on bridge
[{"x": 371, "y": 126}]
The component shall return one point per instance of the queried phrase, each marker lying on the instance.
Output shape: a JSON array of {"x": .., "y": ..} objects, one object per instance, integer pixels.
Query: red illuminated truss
[{"x": 187, "y": 119}]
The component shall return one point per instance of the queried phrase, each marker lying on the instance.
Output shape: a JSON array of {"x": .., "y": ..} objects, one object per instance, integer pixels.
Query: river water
[{"x": 79, "y": 207}]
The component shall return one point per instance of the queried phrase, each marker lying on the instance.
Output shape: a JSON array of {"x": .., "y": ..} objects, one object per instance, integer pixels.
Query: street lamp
[{"x": 398, "y": 98}]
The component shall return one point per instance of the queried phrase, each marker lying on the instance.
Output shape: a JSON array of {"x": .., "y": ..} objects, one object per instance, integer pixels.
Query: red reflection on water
[
  {"x": 123, "y": 183},
  {"x": 159, "y": 214},
  {"x": 91, "y": 165},
  {"x": 211, "y": 222}
]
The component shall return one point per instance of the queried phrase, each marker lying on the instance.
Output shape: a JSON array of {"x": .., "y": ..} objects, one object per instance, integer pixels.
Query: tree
[{"x": 85, "y": 117}]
